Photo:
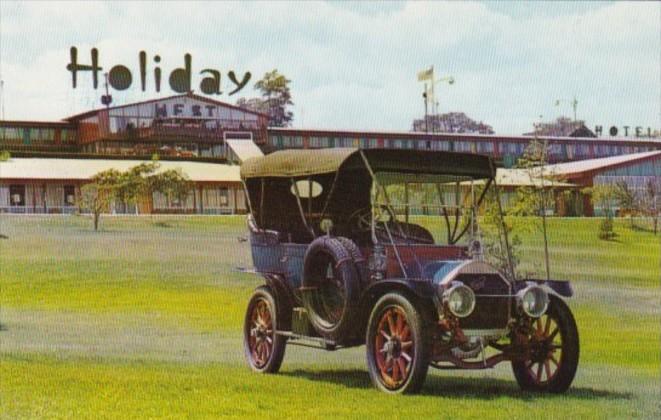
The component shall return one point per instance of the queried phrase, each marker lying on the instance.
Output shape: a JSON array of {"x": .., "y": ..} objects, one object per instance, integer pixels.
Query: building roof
[
  {"x": 188, "y": 95},
  {"x": 244, "y": 148},
  {"x": 84, "y": 169},
  {"x": 524, "y": 178},
  {"x": 40, "y": 124},
  {"x": 581, "y": 167}
]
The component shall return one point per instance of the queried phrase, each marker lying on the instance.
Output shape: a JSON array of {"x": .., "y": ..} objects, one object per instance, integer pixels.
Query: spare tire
[
  {"x": 331, "y": 287},
  {"x": 358, "y": 260}
]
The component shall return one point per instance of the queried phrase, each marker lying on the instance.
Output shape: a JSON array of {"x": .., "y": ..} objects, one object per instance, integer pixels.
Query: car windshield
[{"x": 426, "y": 208}]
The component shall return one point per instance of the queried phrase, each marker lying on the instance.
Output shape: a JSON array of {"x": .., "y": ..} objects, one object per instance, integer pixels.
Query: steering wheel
[{"x": 362, "y": 218}]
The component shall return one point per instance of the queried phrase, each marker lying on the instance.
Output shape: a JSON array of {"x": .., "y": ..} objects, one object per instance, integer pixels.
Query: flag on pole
[{"x": 426, "y": 74}]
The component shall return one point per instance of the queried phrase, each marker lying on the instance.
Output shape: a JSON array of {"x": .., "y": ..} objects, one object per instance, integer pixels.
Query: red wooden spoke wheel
[
  {"x": 553, "y": 351},
  {"x": 264, "y": 348},
  {"x": 397, "y": 345},
  {"x": 261, "y": 333},
  {"x": 394, "y": 347},
  {"x": 546, "y": 350}
]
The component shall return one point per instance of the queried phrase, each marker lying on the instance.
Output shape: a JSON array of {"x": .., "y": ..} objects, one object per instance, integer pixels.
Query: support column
[
  {"x": 201, "y": 191},
  {"x": 236, "y": 204}
]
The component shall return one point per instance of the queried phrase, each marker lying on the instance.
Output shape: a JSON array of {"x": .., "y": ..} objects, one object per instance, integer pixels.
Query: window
[
  {"x": 10, "y": 133},
  {"x": 318, "y": 142},
  {"x": 17, "y": 195},
  {"x": 69, "y": 195},
  {"x": 306, "y": 188},
  {"x": 223, "y": 196}
]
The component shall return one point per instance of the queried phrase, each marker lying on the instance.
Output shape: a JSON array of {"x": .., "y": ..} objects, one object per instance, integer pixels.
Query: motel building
[{"x": 208, "y": 140}]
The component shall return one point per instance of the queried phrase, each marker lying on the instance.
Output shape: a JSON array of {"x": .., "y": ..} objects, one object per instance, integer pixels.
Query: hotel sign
[
  {"x": 627, "y": 131},
  {"x": 120, "y": 77}
]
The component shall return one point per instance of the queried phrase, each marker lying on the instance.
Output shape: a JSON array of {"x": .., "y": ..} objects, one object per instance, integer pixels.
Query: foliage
[
  {"x": 535, "y": 200},
  {"x": 603, "y": 196},
  {"x": 606, "y": 231},
  {"x": 494, "y": 228},
  {"x": 627, "y": 200},
  {"x": 276, "y": 97},
  {"x": 134, "y": 183},
  {"x": 112, "y": 186},
  {"x": 634, "y": 203},
  {"x": 649, "y": 202},
  {"x": 4, "y": 155},
  {"x": 172, "y": 183},
  {"x": 97, "y": 195}
]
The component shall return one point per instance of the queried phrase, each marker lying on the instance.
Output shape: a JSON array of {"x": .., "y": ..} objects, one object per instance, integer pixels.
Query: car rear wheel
[
  {"x": 264, "y": 349},
  {"x": 398, "y": 349},
  {"x": 554, "y": 351}
]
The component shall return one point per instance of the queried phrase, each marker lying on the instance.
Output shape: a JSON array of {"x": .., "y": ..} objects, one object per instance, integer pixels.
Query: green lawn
[{"x": 143, "y": 320}]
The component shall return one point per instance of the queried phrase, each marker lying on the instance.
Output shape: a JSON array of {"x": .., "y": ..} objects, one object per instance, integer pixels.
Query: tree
[
  {"x": 172, "y": 183},
  {"x": 649, "y": 202},
  {"x": 627, "y": 200},
  {"x": 133, "y": 183},
  {"x": 276, "y": 97},
  {"x": 127, "y": 187},
  {"x": 495, "y": 229},
  {"x": 604, "y": 196},
  {"x": 97, "y": 195},
  {"x": 537, "y": 199}
]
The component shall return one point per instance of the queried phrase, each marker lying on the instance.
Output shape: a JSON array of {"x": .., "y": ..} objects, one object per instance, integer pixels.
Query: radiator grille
[{"x": 491, "y": 312}]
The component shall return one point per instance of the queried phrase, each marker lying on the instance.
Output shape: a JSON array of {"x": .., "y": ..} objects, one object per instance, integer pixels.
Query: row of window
[
  {"x": 17, "y": 196},
  {"x": 180, "y": 149},
  {"x": 569, "y": 151},
  {"x": 36, "y": 135},
  {"x": 125, "y": 124}
]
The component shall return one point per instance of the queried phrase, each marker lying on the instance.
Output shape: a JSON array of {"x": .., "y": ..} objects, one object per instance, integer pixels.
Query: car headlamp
[
  {"x": 459, "y": 299},
  {"x": 533, "y": 301}
]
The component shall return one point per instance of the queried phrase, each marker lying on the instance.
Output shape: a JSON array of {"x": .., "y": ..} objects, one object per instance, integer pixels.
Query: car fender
[{"x": 558, "y": 287}]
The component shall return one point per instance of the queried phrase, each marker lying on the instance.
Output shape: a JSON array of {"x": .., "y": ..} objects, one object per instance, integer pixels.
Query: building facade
[
  {"x": 504, "y": 149},
  {"x": 52, "y": 186},
  {"x": 192, "y": 131}
]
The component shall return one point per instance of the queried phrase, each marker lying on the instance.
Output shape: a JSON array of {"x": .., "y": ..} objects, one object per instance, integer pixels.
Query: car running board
[{"x": 321, "y": 343}]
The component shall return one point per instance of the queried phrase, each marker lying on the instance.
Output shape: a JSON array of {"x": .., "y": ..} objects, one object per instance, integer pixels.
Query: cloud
[{"x": 354, "y": 65}]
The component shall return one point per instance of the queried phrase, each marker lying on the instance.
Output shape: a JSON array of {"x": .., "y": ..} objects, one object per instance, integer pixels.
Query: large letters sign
[
  {"x": 627, "y": 130},
  {"x": 120, "y": 77}
]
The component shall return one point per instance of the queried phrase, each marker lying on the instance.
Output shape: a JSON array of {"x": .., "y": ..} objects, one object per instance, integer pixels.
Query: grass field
[{"x": 143, "y": 319}]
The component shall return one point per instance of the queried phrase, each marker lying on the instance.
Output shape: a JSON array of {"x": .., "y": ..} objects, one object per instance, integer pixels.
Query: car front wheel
[
  {"x": 553, "y": 351},
  {"x": 397, "y": 345}
]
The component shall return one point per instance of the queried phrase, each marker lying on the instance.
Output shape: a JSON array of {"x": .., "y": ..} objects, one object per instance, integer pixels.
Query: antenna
[{"x": 572, "y": 102}]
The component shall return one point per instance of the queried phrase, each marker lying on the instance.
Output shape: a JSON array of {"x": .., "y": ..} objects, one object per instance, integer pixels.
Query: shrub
[{"x": 606, "y": 231}]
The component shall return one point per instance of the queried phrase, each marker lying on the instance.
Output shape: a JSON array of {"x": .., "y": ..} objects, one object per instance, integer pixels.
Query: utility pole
[
  {"x": 107, "y": 98},
  {"x": 430, "y": 94},
  {"x": 424, "y": 96}
]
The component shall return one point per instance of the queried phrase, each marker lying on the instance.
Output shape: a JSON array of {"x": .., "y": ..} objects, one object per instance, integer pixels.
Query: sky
[{"x": 352, "y": 65}]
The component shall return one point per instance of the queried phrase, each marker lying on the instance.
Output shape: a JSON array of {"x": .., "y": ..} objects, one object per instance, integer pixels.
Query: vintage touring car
[{"x": 382, "y": 248}]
